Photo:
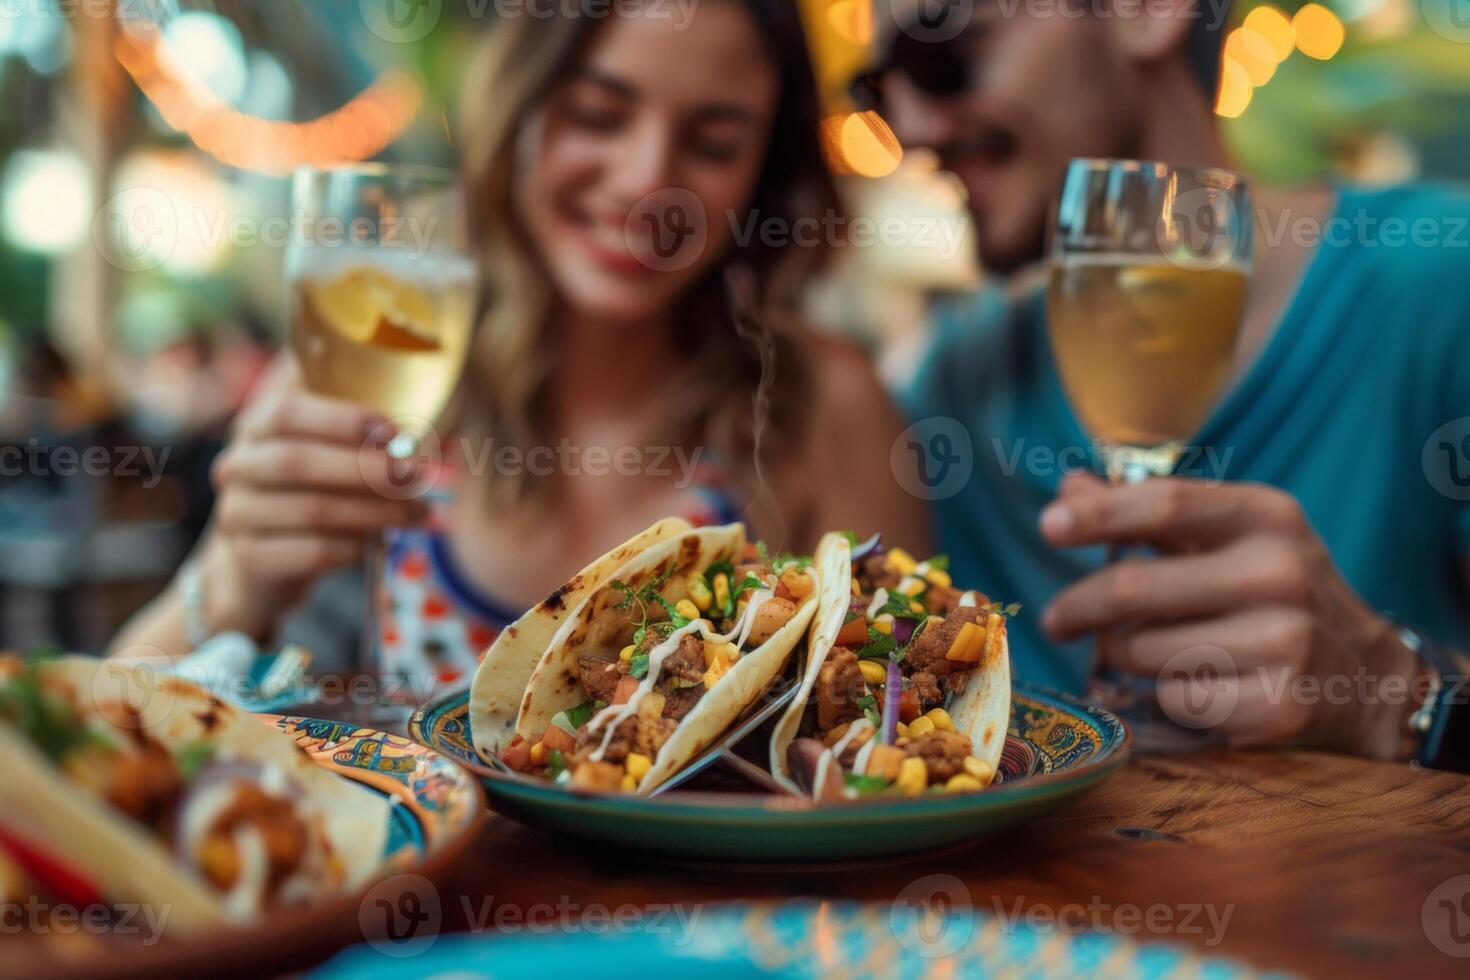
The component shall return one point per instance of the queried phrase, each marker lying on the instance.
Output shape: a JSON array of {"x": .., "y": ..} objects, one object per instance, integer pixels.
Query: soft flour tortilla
[
  {"x": 555, "y": 685},
  {"x": 982, "y": 709},
  {"x": 43, "y": 808},
  {"x": 500, "y": 681}
]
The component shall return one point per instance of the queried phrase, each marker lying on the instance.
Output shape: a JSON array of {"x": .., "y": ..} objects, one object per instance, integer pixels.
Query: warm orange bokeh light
[
  {"x": 1235, "y": 89},
  {"x": 1319, "y": 34},
  {"x": 1250, "y": 49},
  {"x": 861, "y": 143},
  {"x": 358, "y": 130},
  {"x": 1275, "y": 27}
]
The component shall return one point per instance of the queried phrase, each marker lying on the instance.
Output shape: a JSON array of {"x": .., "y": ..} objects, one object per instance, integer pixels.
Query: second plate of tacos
[
  {"x": 651, "y": 666},
  {"x": 906, "y": 686}
]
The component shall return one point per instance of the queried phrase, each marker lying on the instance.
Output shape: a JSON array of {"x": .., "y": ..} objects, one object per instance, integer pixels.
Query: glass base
[{"x": 1154, "y": 733}]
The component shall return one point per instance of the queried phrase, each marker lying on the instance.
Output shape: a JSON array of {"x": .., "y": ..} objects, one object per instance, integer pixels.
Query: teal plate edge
[{"x": 1057, "y": 747}]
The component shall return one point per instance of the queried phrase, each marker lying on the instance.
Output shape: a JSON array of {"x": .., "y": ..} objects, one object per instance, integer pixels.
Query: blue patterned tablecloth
[{"x": 795, "y": 939}]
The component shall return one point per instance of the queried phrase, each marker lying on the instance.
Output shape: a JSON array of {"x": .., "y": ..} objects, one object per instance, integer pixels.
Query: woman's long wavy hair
[{"x": 746, "y": 373}]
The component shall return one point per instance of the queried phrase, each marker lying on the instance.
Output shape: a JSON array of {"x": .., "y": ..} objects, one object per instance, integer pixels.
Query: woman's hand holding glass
[{"x": 296, "y": 499}]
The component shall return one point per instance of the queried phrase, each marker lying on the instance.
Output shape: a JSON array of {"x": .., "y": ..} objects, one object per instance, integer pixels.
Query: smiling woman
[{"x": 615, "y": 164}]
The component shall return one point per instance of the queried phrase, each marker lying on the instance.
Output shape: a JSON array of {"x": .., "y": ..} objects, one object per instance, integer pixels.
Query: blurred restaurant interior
[{"x": 140, "y": 288}]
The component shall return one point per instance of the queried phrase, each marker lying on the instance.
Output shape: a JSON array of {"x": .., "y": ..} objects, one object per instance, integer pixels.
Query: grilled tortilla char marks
[
  {"x": 839, "y": 685},
  {"x": 557, "y": 599},
  {"x": 927, "y": 653},
  {"x": 943, "y": 753}
]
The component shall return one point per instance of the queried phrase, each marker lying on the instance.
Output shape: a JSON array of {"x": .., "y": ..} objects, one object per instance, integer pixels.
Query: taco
[
  {"x": 505, "y": 669},
  {"x": 144, "y": 788},
  {"x": 906, "y": 686},
  {"x": 654, "y": 665}
]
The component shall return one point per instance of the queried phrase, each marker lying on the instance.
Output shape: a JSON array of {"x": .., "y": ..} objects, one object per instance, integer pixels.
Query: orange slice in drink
[{"x": 368, "y": 306}]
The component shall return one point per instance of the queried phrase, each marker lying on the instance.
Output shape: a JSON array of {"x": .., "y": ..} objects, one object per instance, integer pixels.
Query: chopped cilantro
[
  {"x": 939, "y": 563},
  {"x": 898, "y": 607},
  {"x": 555, "y": 763},
  {"x": 577, "y": 717},
  {"x": 638, "y": 666},
  {"x": 869, "y": 705},
  {"x": 865, "y": 784},
  {"x": 878, "y": 645},
  {"x": 193, "y": 758},
  {"x": 999, "y": 610}
]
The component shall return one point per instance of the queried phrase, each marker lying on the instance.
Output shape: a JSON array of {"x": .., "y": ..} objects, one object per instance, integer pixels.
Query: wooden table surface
[
  {"x": 1324, "y": 865},
  {"x": 1291, "y": 861}
]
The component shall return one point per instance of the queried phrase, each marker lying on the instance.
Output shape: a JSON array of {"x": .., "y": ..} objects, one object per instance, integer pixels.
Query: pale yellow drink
[
  {"x": 384, "y": 330},
  {"x": 1144, "y": 348}
]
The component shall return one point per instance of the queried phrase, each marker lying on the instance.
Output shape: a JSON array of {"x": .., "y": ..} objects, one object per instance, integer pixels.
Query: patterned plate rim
[{"x": 1115, "y": 750}]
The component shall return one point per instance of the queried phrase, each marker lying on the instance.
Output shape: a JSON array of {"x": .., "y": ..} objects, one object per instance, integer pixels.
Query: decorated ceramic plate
[
  {"x": 1057, "y": 748},
  {"x": 435, "y": 809}
]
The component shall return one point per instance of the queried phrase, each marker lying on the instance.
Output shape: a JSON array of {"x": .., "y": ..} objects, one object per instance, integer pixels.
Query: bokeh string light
[
  {"x": 358, "y": 130},
  {"x": 1265, "y": 39}
]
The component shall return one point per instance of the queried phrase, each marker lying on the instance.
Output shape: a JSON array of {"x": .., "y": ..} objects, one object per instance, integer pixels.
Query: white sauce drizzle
[
  {"x": 616, "y": 714},
  {"x": 880, "y": 599},
  {"x": 860, "y": 762}
]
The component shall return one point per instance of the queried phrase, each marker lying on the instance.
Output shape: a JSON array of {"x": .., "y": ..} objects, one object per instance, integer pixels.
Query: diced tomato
[
  {"x": 751, "y": 552},
  {"x": 909, "y": 707},
  {"x": 517, "y": 755},
  {"x": 559, "y": 739},
  {"x": 782, "y": 592},
  {"x": 854, "y": 632},
  {"x": 625, "y": 689}
]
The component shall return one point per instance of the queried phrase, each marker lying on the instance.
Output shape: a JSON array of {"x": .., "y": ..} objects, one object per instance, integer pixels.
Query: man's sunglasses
[{"x": 937, "y": 68}]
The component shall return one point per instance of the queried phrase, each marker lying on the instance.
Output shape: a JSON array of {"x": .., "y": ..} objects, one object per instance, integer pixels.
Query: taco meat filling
[
  {"x": 678, "y": 635},
  {"x": 905, "y": 623},
  {"x": 236, "y": 824}
]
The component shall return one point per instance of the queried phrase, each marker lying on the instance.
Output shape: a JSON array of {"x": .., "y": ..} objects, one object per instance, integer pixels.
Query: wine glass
[
  {"x": 1149, "y": 269},
  {"x": 381, "y": 288}
]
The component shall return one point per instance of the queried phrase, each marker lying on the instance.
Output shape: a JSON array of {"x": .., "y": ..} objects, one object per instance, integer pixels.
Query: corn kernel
[
  {"x": 968, "y": 645},
  {"x": 722, "y": 590},
  {"x": 714, "y": 672},
  {"x": 856, "y": 590},
  {"x": 638, "y": 765},
  {"x": 884, "y": 623},
  {"x": 921, "y": 725},
  {"x": 916, "y": 606},
  {"x": 629, "y": 784},
  {"x": 910, "y": 586},
  {"x": 912, "y": 777},
  {"x": 627, "y": 652},
  {"x": 940, "y": 718},
  {"x": 700, "y": 594},
  {"x": 903, "y": 730},
  {"x": 977, "y": 768},
  {"x": 686, "y": 609},
  {"x": 538, "y": 753},
  {"x": 900, "y": 561},
  {"x": 874, "y": 672},
  {"x": 939, "y": 577},
  {"x": 963, "y": 783}
]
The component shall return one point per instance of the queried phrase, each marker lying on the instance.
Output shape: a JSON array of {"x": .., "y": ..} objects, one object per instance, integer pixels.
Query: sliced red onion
[
  {"x": 903, "y": 630},
  {"x": 868, "y": 547},
  {"x": 892, "y": 693}
]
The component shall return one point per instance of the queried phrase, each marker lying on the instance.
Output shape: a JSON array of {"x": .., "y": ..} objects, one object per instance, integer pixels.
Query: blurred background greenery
[{"x": 144, "y": 146}]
